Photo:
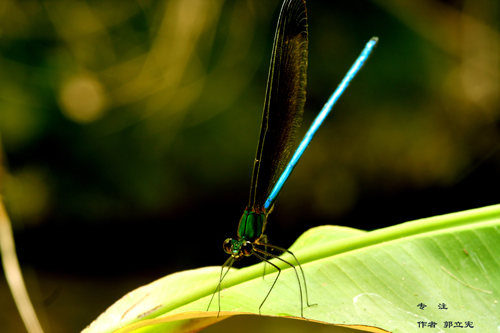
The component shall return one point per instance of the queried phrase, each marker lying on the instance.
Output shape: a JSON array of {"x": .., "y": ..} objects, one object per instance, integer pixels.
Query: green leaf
[{"x": 366, "y": 280}]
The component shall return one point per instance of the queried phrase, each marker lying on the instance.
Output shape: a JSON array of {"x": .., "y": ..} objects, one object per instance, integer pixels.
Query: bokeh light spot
[
  {"x": 27, "y": 195},
  {"x": 82, "y": 99}
]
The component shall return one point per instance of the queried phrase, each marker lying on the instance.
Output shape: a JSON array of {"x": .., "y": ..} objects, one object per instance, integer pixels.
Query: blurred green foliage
[
  {"x": 120, "y": 110},
  {"x": 127, "y": 111},
  {"x": 115, "y": 110}
]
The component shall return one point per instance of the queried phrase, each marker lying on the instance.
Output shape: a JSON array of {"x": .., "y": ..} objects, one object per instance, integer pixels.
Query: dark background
[{"x": 129, "y": 130}]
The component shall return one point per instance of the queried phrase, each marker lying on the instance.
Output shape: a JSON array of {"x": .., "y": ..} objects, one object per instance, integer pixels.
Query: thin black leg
[
  {"x": 279, "y": 272},
  {"x": 228, "y": 264},
  {"x": 283, "y": 250}
]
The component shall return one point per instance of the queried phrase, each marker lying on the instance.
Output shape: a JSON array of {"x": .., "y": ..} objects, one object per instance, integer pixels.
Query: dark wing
[{"x": 284, "y": 102}]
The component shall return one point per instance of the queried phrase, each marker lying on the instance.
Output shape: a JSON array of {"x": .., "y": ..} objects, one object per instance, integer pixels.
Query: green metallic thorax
[{"x": 252, "y": 224}]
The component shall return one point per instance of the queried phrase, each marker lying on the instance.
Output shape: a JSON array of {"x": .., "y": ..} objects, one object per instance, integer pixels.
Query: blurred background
[{"x": 129, "y": 129}]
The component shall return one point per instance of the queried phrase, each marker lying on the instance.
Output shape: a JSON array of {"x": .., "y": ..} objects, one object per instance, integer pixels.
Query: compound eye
[
  {"x": 227, "y": 246},
  {"x": 247, "y": 249}
]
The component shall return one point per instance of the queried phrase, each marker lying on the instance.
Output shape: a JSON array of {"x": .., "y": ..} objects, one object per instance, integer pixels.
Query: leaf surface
[{"x": 373, "y": 281}]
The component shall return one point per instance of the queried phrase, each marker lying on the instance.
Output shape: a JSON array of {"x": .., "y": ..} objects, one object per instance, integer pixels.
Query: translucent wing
[{"x": 284, "y": 102}]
